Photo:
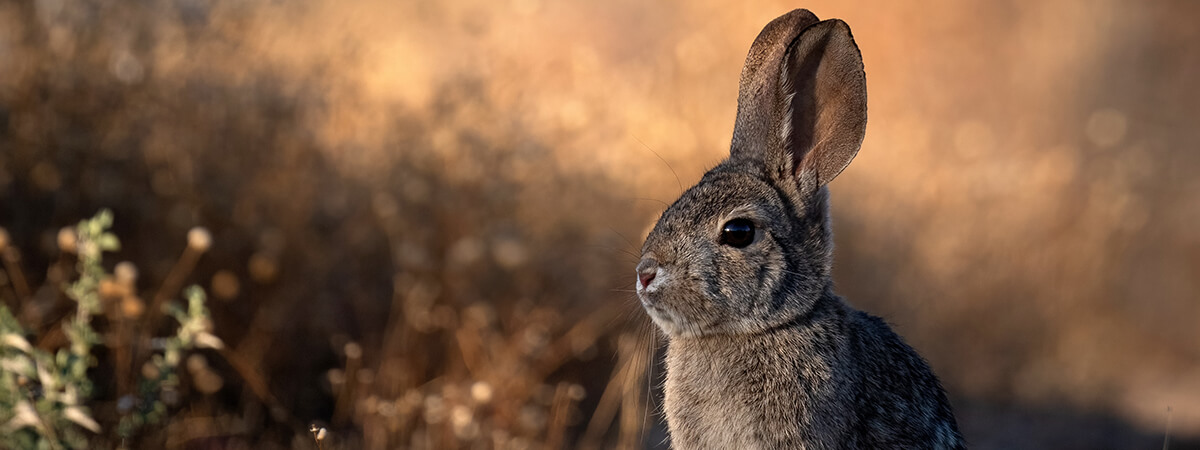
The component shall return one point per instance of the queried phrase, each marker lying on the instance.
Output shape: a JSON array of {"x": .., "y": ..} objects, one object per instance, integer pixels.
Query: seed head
[
  {"x": 67, "y": 241},
  {"x": 199, "y": 239},
  {"x": 353, "y": 350},
  {"x": 126, "y": 273}
]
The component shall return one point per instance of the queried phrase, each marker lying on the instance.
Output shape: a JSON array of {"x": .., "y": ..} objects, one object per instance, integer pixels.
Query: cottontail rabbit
[{"x": 762, "y": 354}]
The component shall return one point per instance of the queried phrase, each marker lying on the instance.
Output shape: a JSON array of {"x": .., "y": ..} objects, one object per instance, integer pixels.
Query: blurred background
[{"x": 425, "y": 215}]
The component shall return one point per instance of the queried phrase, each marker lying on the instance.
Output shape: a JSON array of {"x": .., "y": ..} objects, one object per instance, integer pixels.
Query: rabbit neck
[{"x": 762, "y": 390}]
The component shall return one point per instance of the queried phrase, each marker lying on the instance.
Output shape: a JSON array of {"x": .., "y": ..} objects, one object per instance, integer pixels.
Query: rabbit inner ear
[
  {"x": 824, "y": 94},
  {"x": 758, "y": 107}
]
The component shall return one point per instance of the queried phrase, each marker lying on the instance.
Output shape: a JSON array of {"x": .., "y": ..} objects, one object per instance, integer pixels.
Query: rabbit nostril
[
  {"x": 646, "y": 278},
  {"x": 647, "y": 270}
]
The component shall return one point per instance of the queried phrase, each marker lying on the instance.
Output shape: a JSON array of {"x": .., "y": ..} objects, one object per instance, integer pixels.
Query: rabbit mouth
[
  {"x": 671, "y": 321},
  {"x": 653, "y": 304}
]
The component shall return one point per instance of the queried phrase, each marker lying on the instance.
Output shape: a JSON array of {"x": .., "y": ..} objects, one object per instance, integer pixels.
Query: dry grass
[{"x": 423, "y": 215}]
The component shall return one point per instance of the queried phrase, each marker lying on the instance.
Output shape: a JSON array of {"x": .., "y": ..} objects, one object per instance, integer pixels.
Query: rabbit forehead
[{"x": 721, "y": 195}]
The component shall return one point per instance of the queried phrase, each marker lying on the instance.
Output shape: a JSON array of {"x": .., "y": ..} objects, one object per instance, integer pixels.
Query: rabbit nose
[{"x": 646, "y": 271}]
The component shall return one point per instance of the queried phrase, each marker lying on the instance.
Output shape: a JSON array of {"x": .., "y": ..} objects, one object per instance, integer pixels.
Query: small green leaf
[
  {"x": 108, "y": 242},
  {"x": 81, "y": 417},
  {"x": 104, "y": 218}
]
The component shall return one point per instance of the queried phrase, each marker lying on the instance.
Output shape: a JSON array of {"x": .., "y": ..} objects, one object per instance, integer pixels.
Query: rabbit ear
[
  {"x": 807, "y": 117},
  {"x": 825, "y": 96}
]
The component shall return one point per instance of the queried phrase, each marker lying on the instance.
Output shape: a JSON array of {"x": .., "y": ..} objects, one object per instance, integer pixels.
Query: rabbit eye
[{"x": 737, "y": 233}]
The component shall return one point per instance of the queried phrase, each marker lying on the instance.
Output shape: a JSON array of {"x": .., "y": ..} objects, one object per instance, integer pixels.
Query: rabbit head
[{"x": 749, "y": 248}]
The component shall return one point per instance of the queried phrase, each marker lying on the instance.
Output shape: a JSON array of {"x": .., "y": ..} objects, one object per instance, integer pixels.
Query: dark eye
[{"x": 737, "y": 233}]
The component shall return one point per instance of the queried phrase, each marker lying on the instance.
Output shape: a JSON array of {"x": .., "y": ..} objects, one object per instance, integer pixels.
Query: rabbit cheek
[{"x": 749, "y": 283}]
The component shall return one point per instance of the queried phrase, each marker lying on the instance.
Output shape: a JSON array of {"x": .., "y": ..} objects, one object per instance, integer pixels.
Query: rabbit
[{"x": 761, "y": 353}]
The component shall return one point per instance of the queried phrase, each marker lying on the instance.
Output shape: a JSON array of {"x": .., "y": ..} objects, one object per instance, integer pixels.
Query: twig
[
  {"x": 632, "y": 418},
  {"x": 12, "y": 264},
  {"x": 610, "y": 401},
  {"x": 171, "y": 285},
  {"x": 1167, "y": 434},
  {"x": 347, "y": 397},
  {"x": 250, "y": 375},
  {"x": 559, "y": 412}
]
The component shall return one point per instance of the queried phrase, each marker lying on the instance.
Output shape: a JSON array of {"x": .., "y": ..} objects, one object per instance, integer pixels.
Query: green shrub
[{"x": 44, "y": 392}]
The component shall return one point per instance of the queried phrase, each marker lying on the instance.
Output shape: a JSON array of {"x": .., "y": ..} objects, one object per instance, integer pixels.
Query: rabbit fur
[{"x": 761, "y": 353}]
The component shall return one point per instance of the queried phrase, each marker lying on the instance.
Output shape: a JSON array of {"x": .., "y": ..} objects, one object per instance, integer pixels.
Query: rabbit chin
[
  {"x": 673, "y": 324},
  {"x": 677, "y": 325}
]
